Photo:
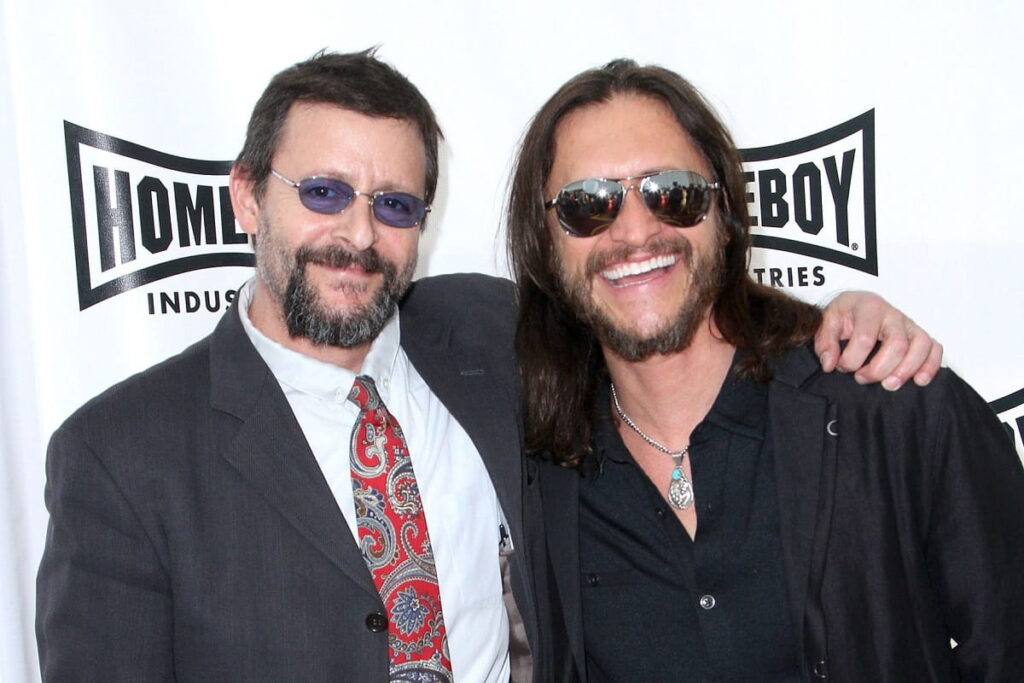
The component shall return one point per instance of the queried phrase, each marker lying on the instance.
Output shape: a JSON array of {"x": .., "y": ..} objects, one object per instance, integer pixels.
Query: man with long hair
[{"x": 716, "y": 506}]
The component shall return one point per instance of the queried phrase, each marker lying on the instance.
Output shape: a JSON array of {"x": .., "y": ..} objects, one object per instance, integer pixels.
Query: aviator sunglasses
[
  {"x": 330, "y": 195},
  {"x": 587, "y": 207}
]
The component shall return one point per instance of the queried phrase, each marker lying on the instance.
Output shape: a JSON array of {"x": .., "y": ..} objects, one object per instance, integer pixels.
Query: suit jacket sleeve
[
  {"x": 975, "y": 551},
  {"x": 104, "y": 610}
]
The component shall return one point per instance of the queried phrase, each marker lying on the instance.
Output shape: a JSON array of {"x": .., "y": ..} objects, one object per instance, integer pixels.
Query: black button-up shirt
[{"x": 658, "y": 606}]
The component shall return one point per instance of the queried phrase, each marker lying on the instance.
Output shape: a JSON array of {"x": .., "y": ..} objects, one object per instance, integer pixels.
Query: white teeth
[{"x": 638, "y": 267}]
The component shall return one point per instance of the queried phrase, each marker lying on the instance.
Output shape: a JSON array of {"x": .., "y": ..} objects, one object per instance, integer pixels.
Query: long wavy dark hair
[{"x": 560, "y": 360}]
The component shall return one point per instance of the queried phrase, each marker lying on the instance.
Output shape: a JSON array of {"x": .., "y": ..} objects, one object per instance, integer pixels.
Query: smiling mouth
[
  {"x": 338, "y": 258},
  {"x": 351, "y": 268},
  {"x": 624, "y": 270}
]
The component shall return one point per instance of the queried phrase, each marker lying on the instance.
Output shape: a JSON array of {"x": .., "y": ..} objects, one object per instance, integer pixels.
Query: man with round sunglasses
[
  {"x": 330, "y": 486},
  {"x": 717, "y": 507}
]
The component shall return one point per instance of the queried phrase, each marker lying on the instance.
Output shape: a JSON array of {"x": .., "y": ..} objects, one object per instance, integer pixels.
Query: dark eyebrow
[{"x": 388, "y": 187}]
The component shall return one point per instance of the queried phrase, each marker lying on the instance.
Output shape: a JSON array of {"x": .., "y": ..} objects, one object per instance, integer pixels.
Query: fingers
[
  {"x": 826, "y": 342},
  {"x": 866, "y": 320},
  {"x": 853, "y": 316},
  {"x": 927, "y": 371},
  {"x": 906, "y": 352},
  {"x": 861, "y": 344},
  {"x": 896, "y": 354}
]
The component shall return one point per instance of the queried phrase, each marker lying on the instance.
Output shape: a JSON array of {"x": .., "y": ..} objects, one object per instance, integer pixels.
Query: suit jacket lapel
[
  {"x": 269, "y": 450},
  {"x": 804, "y": 473}
]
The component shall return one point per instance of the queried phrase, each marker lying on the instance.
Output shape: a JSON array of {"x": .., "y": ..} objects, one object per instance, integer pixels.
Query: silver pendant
[{"x": 680, "y": 491}]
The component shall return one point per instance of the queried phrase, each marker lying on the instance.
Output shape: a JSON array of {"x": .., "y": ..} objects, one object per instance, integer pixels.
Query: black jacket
[{"x": 902, "y": 526}]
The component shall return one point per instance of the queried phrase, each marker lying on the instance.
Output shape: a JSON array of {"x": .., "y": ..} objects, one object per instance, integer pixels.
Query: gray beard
[
  {"x": 705, "y": 283},
  {"x": 306, "y": 316}
]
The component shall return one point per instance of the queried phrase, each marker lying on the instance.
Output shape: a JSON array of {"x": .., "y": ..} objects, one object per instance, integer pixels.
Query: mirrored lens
[
  {"x": 325, "y": 195},
  {"x": 398, "y": 209},
  {"x": 586, "y": 207},
  {"x": 679, "y": 198}
]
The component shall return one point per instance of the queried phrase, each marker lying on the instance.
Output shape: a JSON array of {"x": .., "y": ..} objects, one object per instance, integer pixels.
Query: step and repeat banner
[{"x": 882, "y": 145}]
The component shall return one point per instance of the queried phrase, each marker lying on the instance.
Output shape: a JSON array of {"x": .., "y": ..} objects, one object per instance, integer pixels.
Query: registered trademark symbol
[{"x": 855, "y": 246}]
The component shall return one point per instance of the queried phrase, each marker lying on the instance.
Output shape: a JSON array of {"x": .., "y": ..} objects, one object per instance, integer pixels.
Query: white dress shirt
[{"x": 459, "y": 500}]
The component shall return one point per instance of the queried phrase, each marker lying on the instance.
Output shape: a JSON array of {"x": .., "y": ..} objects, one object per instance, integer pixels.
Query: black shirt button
[
  {"x": 707, "y": 601},
  {"x": 376, "y": 622},
  {"x": 660, "y": 512},
  {"x": 593, "y": 579}
]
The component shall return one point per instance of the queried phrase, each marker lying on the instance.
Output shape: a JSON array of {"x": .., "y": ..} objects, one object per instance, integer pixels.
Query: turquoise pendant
[{"x": 680, "y": 491}]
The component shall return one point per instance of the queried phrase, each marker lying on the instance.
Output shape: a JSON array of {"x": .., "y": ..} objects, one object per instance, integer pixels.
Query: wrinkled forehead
[{"x": 370, "y": 152}]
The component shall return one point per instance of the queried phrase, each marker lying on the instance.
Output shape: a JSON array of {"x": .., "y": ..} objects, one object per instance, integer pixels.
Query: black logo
[
  {"x": 816, "y": 196},
  {"x": 140, "y": 215},
  {"x": 1010, "y": 409}
]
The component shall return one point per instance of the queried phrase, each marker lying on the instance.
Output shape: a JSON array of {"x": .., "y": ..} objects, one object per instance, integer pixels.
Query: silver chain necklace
[{"x": 680, "y": 490}]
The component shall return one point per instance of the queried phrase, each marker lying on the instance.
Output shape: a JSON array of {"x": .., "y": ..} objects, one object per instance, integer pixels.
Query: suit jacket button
[{"x": 376, "y": 622}]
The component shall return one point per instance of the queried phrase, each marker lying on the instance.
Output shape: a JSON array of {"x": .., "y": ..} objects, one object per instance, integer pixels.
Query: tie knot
[{"x": 364, "y": 393}]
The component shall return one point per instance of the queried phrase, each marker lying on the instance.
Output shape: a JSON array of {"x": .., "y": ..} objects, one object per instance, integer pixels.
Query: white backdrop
[{"x": 941, "y": 78}]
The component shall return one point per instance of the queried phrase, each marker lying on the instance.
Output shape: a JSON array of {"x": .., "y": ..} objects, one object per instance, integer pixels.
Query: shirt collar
[
  {"x": 309, "y": 375},
  {"x": 739, "y": 408}
]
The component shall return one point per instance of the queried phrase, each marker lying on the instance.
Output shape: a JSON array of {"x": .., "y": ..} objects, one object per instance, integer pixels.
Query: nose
[
  {"x": 356, "y": 226},
  {"x": 635, "y": 224}
]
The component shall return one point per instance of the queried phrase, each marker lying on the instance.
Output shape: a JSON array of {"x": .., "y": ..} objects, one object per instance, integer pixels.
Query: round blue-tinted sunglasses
[{"x": 330, "y": 195}]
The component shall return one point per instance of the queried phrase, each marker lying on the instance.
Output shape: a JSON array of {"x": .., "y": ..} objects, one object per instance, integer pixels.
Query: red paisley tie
[{"x": 394, "y": 541}]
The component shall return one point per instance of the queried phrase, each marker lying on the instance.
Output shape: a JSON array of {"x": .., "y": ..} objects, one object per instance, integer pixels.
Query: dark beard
[
  {"x": 306, "y": 316},
  {"x": 705, "y": 283}
]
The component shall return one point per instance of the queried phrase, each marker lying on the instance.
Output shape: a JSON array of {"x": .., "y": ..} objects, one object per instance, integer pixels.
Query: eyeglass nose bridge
[
  {"x": 371, "y": 200},
  {"x": 377, "y": 211},
  {"x": 636, "y": 184},
  {"x": 627, "y": 184},
  {"x": 632, "y": 186},
  {"x": 369, "y": 197}
]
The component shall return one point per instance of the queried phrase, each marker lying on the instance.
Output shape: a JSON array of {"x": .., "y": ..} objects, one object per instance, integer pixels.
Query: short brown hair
[{"x": 357, "y": 81}]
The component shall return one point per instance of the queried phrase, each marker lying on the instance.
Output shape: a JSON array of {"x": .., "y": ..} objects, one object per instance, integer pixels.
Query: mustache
[
  {"x": 676, "y": 245},
  {"x": 338, "y": 257}
]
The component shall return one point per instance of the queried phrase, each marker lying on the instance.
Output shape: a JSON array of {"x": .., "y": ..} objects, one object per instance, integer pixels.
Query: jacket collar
[{"x": 265, "y": 444}]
